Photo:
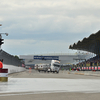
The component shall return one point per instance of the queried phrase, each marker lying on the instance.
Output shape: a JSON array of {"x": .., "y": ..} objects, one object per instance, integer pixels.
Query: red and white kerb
[{"x": 3, "y": 72}]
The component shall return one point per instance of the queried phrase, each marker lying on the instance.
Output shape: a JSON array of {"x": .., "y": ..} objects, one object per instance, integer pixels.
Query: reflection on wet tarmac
[{"x": 45, "y": 85}]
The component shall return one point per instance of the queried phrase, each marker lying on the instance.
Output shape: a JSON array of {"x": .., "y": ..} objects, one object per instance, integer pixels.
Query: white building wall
[
  {"x": 26, "y": 56},
  {"x": 64, "y": 59}
]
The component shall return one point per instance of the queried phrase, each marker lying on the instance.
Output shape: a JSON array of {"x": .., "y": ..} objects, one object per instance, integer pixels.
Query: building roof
[{"x": 90, "y": 44}]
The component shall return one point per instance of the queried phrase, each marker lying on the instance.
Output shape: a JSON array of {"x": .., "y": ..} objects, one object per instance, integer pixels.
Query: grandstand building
[
  {"x": 90, "y": 44},
  {"x": 65, "y": 59}
]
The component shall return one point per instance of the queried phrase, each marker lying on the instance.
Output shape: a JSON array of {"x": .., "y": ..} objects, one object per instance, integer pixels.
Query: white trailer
[{"x": 43, "y": 67}]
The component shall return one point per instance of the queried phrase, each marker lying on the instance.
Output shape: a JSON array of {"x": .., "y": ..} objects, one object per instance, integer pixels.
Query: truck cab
[{"x": 55, "y": 66}]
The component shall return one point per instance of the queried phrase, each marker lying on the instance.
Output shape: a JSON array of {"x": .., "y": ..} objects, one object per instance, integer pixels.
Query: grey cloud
[{"x": 50, "y": 20}]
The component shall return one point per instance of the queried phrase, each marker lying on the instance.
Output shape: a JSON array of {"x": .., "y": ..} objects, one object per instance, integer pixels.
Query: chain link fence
[{"x": 9, "y": 59}]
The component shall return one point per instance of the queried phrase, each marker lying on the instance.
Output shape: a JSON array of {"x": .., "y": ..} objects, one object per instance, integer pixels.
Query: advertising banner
[{"x": 46, "y": 57}]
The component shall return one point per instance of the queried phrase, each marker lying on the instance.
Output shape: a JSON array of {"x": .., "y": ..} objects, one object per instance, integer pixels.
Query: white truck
[{"x": 53, "y": 67}]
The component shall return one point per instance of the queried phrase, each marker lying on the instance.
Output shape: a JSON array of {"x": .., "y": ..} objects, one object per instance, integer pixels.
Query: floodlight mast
[
  {"x": 4, "y": 34},
  {"x": 1, "y": 40}
]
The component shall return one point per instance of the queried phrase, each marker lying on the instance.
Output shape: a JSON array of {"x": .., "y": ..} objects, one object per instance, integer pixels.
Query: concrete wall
[{"x": 13, "y": 69}]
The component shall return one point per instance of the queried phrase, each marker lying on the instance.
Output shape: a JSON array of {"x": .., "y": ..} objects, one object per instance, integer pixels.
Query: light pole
[
  {"x": 1, "y": 40},
  {"x": 4, "y": 34}
]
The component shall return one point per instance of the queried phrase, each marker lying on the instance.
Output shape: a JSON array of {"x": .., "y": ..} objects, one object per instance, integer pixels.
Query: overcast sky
[{"x": 47, "y": 26}]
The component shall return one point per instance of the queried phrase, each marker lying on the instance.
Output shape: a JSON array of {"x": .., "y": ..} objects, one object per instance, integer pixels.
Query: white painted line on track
[
  {"x": 38, "y": 92},
  {"x": 42, "y": 92}
]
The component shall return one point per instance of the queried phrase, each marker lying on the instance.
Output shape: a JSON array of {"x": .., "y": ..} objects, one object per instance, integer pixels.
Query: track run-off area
[{"x": 42, "y": 86}]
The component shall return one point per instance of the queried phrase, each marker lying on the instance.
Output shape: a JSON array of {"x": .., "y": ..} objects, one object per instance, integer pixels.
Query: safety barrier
[
  {"x": 3, "y": 75},
  {"x": 13, "y": 69},
  {"x": 8, "y": 69},
  {"x": 90, "y": 73}
]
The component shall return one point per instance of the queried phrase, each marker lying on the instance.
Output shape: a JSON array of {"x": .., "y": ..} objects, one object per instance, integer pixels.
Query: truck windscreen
[{"x": 56, "y": 65}]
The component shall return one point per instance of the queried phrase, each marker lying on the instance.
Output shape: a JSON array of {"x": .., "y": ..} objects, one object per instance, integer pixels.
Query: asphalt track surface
[{"x": 33, "y": 85}]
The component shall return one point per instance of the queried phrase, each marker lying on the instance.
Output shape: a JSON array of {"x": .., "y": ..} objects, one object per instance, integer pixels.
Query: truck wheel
[{"x": 58, "y": 72}]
